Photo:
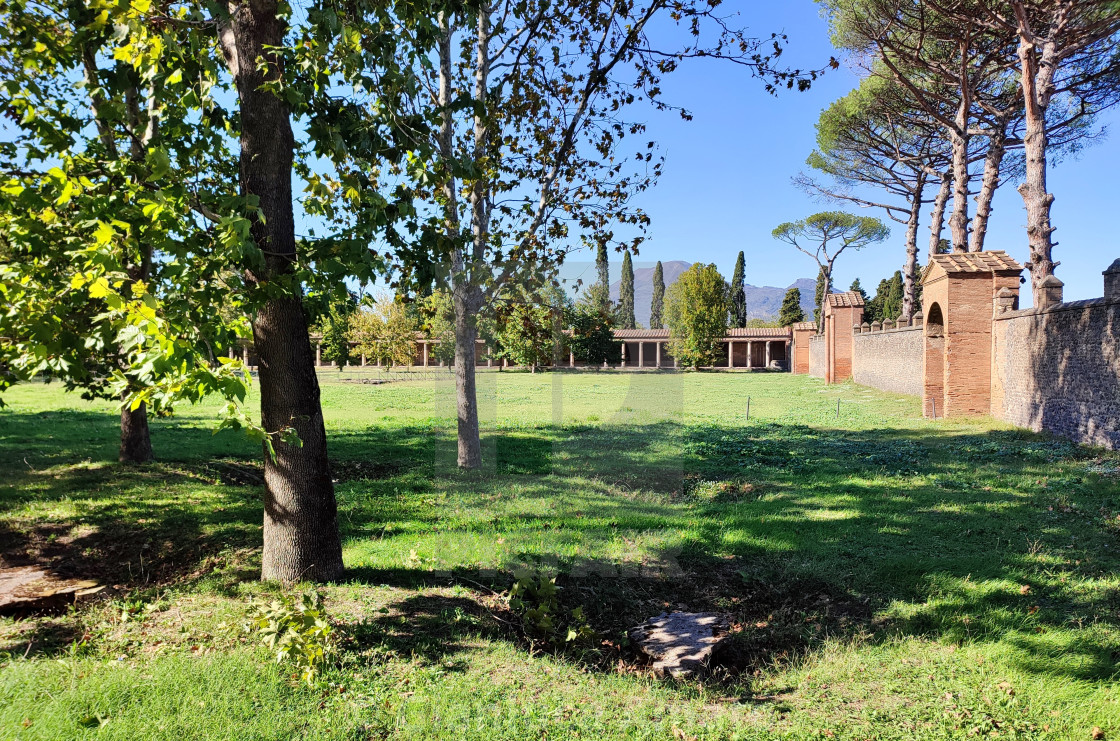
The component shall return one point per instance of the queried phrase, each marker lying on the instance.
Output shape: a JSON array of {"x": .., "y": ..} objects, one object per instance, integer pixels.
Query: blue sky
[{"x": 727, "y": 176}]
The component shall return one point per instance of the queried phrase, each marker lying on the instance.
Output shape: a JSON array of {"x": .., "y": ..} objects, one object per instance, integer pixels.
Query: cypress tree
[
  {"x": 626, "y": 294},
  {"x": 791, "y": 312},
  {"x": 875, "y": 308},
  {"x": 892, "y": 307},
  {"x": 602, "y": 293},
  {"x": 658, "y": 304},
  {"x": 738, "y": 293}
]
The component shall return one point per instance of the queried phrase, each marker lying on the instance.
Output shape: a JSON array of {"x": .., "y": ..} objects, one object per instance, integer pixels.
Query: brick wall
[
  {"x": 818, "y": 356},
  {"x": 1058, "y": 369},
  {"x": 889, "y": 360},
  {"x": 802, "y": 333},
  {"x": 968, "y": 345}
]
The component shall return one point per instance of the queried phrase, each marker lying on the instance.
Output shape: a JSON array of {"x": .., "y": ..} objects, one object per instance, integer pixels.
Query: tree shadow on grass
[
  {"x": 797, "y": 533},
  {"x": 800, "y": 533},
  {"x": 66, "y": 504},
  {"x": 433, "y": 629}
]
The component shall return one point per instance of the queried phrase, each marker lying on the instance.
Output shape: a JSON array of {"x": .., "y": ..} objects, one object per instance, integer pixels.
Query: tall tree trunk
[
  {"x": 992, "y": 163},
  {"x": 959, "y": 137},
  {"x": 136, "y": 438},
  {"x": 1037, "y": 66},
  {"x": 910, "y": 270},
  {"x": 958, "y": 222},
  {"x": 937, "y": 217},
  {"x": 468, "y": 301},
  {"x": 468, "y": 294},
  {"x": 301, "y": 540},
  {"x": 136, "y": 442}
]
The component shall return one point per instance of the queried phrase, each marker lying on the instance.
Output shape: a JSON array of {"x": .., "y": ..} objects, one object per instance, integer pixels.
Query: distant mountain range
[{"x": 763, "y": 302}]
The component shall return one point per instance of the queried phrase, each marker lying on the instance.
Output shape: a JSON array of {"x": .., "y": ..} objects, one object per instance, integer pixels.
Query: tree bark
[
  {"x": 937, "y": 217},
  {"x": 1037, "y": 67},
  {"x": 301, "y": 539},
  {"x": 468, "y": 301},
  {"x": 469, "y": 296},
  {"x": 959, "y": 136},
  {"x": 990, "y": 182},
  {"x": 910, "y": 270},
  {"x": 958, "y": 222},
  {"x": 136, "y": 441}
]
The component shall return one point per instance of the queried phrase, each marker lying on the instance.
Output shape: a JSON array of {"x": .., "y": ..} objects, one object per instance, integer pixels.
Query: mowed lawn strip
[{"x": 886, "y": 576}]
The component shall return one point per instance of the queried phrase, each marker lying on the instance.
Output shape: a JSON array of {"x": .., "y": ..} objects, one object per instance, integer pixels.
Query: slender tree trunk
[
  {"x": 992, "y": 163},
  {"x": 958, "y": 222},
  {"x": 826, "y": 271},
  {"x": 910, "y": 270},
  {"x": 301, "y": 540},
  {"x": 468, "y": 301},
  {"x": 468, "y": 294},
  {"x": 937, "y": 217},
  {"x": 1037, "y": 66},
  {"x": 136, "y": 442},
  {"x": 959, "y": 137},
  {"x": 136, "y": 438}
]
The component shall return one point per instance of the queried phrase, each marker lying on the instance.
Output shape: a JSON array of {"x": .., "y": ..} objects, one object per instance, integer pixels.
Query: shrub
[
  {"x": 534, "y": 598},
  {"x": 297, "y": 630}
]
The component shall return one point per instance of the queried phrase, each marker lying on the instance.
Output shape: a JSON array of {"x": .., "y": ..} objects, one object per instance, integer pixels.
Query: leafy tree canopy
[{"x": 696, "y": 310}]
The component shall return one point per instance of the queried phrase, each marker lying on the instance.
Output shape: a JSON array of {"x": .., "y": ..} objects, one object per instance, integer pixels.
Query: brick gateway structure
[{"x": 972, "y": 351}]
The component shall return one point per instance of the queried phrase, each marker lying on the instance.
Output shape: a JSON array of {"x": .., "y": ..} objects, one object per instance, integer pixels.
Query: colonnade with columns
[{"x": 637, "y": 353}]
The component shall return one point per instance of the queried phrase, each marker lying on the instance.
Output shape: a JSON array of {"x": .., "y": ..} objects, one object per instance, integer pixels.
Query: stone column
[
  {"x": 658, "y": 346},
  {"x": 425, "y": 345},
  {"x": 363, "y": 360},
  {"x": 767, "y": 364},
  {"x": 318, "y": 354},
  {"x": 731, "y": 353},
  {"x": 641, "y": 354},
  {"x": 1052, "y": 289},
  {"x": 571, "y": 359},
  {"x": 623, "y": 354},
  {"x": 245, "y": 355}
]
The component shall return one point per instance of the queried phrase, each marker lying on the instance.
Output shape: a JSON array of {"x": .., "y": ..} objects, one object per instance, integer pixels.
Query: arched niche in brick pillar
[
  {"x": 958, "y": 301},
  {"x": 933, "y": 389}
]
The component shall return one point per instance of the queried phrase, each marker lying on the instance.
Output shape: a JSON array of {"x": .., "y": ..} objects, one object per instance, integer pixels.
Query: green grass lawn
[{"x": 887, "y": 577}]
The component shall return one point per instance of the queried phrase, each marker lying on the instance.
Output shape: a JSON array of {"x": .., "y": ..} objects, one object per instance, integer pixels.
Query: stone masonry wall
[
  {"x": 818, "y": 356},
  {"x": 1058, "y": 369},
  {"x": 889, "y": 360}
]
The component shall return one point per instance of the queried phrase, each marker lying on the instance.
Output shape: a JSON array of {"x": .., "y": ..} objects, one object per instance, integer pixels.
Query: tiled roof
[
  {"x": 735, "y": 333},
  {"x": 641, "y": 334},
  {"x": 993, "y": 261},
  {"x": 805, "y": 325},
  {"x": 848, "y": 299},
  {"x": 752, "y": 332}
]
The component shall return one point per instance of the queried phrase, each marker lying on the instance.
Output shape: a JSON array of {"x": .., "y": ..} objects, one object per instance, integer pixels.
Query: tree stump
[{"x": 28, "y": 589}]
